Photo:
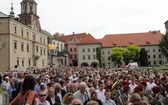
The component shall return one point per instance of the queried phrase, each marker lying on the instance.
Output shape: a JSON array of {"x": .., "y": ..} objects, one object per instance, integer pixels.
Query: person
[
  {"x": 38, "y": 85},
  {"x": 5, "y": 86},
  {"x": 107, "y": 100},
  {"x": 164, "y": 100},
  {"x": 91, "y": 102},
  {"x": 52, "y": 98},
  {"x": 27, "y": 94},
  {"x": 155, "y": 96},
  {"x": 82, "y": 94},
  {"x": 42, "y": 98},
  {"x": 135, "y": 99},
  {"x": 76, "y": 102},
  {"x": 124, "y": 97},
  {"x": 67, "y": 99},
  {"x": 94, "y": 97},
  {"x": 13, "y": 90},
  {"x": 59, "y": 92},
  {"x": 132, "y": 85},
  {"x": 100, "y": 91}
]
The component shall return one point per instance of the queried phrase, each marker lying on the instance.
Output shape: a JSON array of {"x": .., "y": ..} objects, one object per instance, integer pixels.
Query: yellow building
[{"x": 22, "y": 44}]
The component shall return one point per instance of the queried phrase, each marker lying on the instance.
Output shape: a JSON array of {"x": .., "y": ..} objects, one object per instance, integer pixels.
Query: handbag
[{"x": 25, "y": 100}]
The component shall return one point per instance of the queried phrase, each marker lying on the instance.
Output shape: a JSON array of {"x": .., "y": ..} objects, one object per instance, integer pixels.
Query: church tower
[{"x": 28, "y": 14}]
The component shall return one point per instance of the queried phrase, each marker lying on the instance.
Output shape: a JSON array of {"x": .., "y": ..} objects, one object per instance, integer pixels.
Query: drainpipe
[{"x": 9, "y": 43}]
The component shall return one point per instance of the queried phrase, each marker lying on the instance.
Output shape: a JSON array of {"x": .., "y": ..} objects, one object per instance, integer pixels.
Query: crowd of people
[{"x": 84, "y": 86}]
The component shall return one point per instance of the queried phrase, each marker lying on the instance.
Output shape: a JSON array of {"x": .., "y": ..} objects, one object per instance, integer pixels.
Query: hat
[
  {"x": 156, "y": 89},
  {"x": 7, "y": 77},
  {"x": 93, "y": 93},
  {"x": 126, "y": 88},
  {"x": 143, "y": 83},
  {"x": 163, "y": 78},
  {"x": 125, "y": 83},
  {"x": 138, "y": 88}
]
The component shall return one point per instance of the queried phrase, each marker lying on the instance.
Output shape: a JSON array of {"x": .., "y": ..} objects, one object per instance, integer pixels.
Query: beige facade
[
  {"x": 155, "y": 57},
  {"x": 21, "y": 47},
  {"x": 87, "y": 55}
]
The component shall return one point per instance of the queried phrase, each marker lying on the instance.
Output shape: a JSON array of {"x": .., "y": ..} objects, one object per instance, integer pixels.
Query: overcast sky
[{"x": 97, "y": 17}]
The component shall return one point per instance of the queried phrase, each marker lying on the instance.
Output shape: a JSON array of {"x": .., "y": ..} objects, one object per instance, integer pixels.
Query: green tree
[
  {"x": 163, "y": 44},
  {"x": 116, "y": 55},
  {"x": 126, "y": 56},
  {"x": 143, "y": 57},
  {"x": 134, "y": 52},
  {"x": 98, "y": 55}
]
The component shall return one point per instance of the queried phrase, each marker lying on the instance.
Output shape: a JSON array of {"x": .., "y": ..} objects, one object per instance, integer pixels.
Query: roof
[
  {"x": 139, "y": 39},
  {"x": 89, "y": 39},
  {"x": 29, "y": 1},
  {"x": 65, "y": 38},
  {"x": 3, "y": 14}
]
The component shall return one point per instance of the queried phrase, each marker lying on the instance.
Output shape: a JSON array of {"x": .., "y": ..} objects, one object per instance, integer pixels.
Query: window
[
  {"x": 108, "y": 52},
  {"x": 94, "y": 56},
  {"x": 159, "y": 50},
  {"x": 41, "y": 51},
  {"x": 102, "y": 52},
  {"x": 44, "y": 51},
  {"x": 148, "y": 50},
  {"x": 75, "y": 56},
  {"x": 109, "y": 58},
  {"x": 40, "y": 39},
  {"x": 154, "y": 56},
  {"x": 160, "y": 56},
  {"x": 154, "y": 62},
  {"x": 22, "y": 32},
  {"x": 15, "y": 45},
  {"x": 61, "y": 47},
  {"x": 74, "y": 49},
  {"x": 83, "y": 57},
  {"x": 71, "y": 56},
  {"x": 93, "y": 49},
  {"x": 103, "y": 59},
  {"x": 27, "y": 34},
  {"x": 153, "y": 50},
  {"x": 148, "y": 56},
  {"x": 37, "y": 48},
  {"x": 70, "y": 49},
  {"x": 88, "y": 56},
  {"x": 88, "y": 49},
  {"x": 83, "y": 50},
  {"x": 22, "y": 63},
  {"x": 31, "y": 8},
  {"x": 160, "y": 62},
  {"x": 34, "y": 37},
  {"x": 44, "y": 40},
  {"x": 27, "y": 47},
  {"x": 17, "y": 62},
  {"x": 29, "y": 62},
  {"x": 25, "y": 8},
  {"x": 22, "y": 47},
  {"x": 15, "y": 29}
]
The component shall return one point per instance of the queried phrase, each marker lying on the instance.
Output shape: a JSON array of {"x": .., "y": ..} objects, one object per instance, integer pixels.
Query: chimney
[{"x": 73, "y": 33}]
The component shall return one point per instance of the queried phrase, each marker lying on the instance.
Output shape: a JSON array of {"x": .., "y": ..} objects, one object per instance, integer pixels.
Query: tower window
[
  {"x": 31, "y": 8},
  {"x": 25, "y": 21},
  {"x": 25, "y": 7}
]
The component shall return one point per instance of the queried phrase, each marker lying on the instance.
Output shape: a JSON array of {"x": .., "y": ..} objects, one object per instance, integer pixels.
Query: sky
[{"x": 97, "y": 17}]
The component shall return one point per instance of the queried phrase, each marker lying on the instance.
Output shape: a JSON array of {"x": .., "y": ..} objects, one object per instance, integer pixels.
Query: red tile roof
[
  {"x": 65, "y": 38},
  {"x": 89, "y": 39},
  {"x": 140, "y": 39}
]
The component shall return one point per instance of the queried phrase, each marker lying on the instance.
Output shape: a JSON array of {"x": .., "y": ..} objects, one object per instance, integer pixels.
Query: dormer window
[
  {"x": 148, "y": 42},
  {"x": 130, "y": 42}
]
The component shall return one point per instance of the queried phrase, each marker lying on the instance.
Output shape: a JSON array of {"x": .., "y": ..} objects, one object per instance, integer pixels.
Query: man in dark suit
[
  {"x": 59, "y": 92},
  {"x": 52, "y": 98}
]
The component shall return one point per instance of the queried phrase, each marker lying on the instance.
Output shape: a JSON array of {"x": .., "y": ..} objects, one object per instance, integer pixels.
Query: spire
[{"x": 12, "y": 12}]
